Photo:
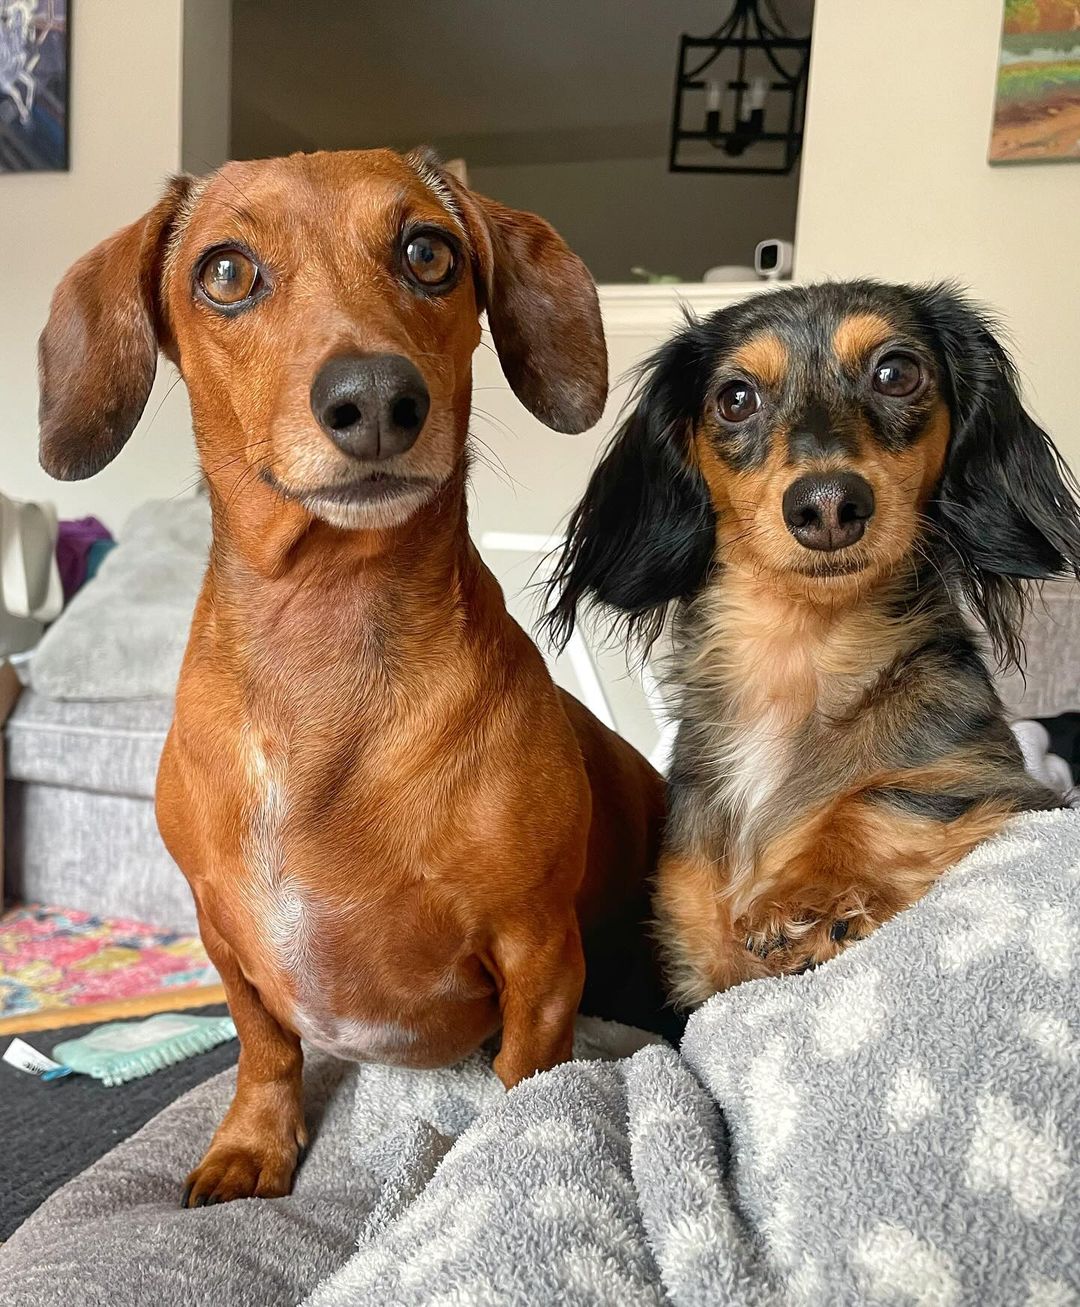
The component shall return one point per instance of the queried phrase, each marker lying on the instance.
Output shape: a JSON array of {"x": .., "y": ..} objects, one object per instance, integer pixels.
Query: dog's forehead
[
  {"x": 776, "y": 334},
  {"x": 346, "y": 189}
]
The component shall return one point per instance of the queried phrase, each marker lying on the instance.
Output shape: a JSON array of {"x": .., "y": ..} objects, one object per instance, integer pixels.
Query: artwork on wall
[
  {"x": 1037, "y": 110},
  {"x": 34, "y": 50}
]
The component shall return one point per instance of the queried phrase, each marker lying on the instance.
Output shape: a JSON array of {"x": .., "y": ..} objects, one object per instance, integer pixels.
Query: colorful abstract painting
[
  {"x": 1037, "y": 111},
  {"x": 33, "y": 85}
]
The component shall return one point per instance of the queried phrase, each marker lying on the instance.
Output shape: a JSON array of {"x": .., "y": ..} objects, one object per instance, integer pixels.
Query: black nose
[
  {"x": 828, "y": 511},
  {"x": 371, "y": 406}
]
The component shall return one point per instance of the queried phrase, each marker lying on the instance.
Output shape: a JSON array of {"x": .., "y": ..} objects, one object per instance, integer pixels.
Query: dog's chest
[
  {"x": 762, "y": 698},
  {"x": 280, "y": 906},
  {"x": 338, "y": 951}
]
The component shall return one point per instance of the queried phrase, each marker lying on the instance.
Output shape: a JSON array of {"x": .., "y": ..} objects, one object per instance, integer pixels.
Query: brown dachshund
[{"x": 395, "y": 827}]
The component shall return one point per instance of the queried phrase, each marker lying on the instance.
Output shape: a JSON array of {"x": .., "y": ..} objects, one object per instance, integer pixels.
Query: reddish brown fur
[{"x": 452, "y": 822}]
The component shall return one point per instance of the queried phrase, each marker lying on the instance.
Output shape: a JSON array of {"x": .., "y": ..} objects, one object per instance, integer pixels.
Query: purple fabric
[{"x": 73, "y": 544}]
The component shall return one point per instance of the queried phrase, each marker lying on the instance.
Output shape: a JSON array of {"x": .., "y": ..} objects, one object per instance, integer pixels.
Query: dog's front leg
[
  {"x": 540, "y": 984},
  {"x": 255, "y": 1150},
  {"x": 703, "y": 950}
]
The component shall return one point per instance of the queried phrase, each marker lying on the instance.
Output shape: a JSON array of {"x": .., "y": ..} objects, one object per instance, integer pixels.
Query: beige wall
[
  {"x": 125, "y": 114},
  {"x": 895, "y": 182}
]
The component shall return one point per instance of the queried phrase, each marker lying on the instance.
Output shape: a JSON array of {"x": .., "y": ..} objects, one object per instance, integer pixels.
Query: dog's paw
[
  {"x": 803, "y": 943},
  {"x": 233, "y": 1170}
]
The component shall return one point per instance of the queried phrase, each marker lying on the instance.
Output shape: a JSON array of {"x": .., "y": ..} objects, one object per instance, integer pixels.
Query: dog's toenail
[{"x": 839, "y": 930}]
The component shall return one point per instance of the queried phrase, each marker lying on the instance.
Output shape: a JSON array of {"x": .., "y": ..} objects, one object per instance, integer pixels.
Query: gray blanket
[{"x": 901, "y": 1126}]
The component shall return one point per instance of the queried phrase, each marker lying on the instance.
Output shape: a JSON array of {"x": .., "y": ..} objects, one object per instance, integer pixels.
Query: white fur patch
[
  {"x": 277, "y": 902},
  {"x": 353, "y": 1040},
  {"x": 755, "y": 763},
  {"x": 436, "y": 183}
]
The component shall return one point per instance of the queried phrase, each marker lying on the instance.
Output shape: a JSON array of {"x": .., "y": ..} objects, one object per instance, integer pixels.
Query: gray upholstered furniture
[
  {"x": 80, "y": 813},
  {"x": 83, "y": 742}
]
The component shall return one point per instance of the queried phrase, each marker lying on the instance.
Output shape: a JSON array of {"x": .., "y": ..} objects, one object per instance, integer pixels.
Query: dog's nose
[
  {"x": 828, "y": 511},
  {"x": 371, "y": 406}
]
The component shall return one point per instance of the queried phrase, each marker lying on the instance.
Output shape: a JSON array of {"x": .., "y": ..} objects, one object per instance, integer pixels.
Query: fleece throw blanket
[{"x": 901, "y": 1126}]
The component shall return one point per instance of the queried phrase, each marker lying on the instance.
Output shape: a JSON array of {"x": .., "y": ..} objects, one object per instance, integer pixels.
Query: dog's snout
[
  {"x": 828, "y": 511},
  {"x": 371, "y": 406}
]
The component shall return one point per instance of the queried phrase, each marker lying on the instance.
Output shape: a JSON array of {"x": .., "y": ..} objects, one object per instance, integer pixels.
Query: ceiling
[{"x": 497, "y": 81}]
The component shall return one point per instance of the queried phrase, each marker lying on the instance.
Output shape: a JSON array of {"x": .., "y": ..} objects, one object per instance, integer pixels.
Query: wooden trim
[{"x": 145, "y": 1005}]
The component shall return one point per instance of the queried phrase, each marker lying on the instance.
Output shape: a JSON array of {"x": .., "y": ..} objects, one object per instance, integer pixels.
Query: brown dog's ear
[
  {"x": 98, "y": 352},
  {"x": 542, "y": 309}
]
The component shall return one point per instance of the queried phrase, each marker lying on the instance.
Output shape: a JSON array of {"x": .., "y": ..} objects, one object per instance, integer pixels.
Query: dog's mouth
[
  {"x": 828, "y": 569},
  {"x": 373, "y": 489}
]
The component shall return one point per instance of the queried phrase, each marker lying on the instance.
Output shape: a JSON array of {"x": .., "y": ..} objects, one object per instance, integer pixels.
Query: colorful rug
[{"x": 61, "y": 966}]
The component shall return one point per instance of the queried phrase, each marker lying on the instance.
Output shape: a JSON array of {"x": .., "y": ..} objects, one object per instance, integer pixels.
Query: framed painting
[
  {"x": 1037, "y": 110},
  {"x": 34, "y": 48}
]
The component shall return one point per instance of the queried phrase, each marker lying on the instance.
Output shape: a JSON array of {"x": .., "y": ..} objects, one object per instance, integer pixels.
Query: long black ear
[
  {"x": 1007, "y": 502},
  {"x": 644, "y": 533}
]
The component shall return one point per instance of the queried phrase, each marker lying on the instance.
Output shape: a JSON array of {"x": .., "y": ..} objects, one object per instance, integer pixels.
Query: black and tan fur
[{"x": 841, "y": 743}]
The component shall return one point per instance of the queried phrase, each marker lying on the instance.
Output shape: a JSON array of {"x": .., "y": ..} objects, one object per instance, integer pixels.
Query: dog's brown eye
[
  {"x": 228, "y": 277},
  {"x": 898, "y": 375},
  {"x": 738, "y": 401},
  {"x": 429, "y": 259}
]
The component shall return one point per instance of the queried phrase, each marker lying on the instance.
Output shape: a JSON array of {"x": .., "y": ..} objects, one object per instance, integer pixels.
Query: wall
[
  {"x": 689, "y": 223},
  {"x": 895, "y": 182},
  {"x": 126, "y": 138},
  {"x": 562, "y": 107}
]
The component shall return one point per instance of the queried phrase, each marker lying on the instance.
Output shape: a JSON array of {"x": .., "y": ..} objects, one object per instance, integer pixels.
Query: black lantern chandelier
[{"x": 740, "y": 95}]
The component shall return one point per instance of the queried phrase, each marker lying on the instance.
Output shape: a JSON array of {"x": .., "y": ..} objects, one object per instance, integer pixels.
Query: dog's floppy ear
[
  {"x": 541, "y": 305},
  {"x": 98, "y": 352},
  {"x": 644, "y": 533},
  {"x": 1006, "y": 501}
]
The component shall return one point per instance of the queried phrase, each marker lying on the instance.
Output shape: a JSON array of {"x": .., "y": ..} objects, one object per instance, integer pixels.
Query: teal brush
[{"x": 126, "y": 1050}]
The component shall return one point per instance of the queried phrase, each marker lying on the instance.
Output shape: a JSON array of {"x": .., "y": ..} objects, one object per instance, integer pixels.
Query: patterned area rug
[{"x": 59, "y": 966}]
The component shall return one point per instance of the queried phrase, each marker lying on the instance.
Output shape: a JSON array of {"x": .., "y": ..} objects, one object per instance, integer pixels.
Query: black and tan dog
[{"x": 824, "y": 478}]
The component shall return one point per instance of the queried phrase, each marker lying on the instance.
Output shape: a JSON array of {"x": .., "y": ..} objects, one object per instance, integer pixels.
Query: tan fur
[
  {"x": 858, "y": 336},
  {"x": 763, "y": 358},
  {"x": 849, "y": 862}
]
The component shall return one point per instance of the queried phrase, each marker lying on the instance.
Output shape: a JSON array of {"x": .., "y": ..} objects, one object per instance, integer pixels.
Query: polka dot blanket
[{"x": 901, "y": 1126}]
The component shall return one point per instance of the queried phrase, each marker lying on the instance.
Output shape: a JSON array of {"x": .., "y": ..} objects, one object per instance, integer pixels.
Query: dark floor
[{"x": 52, "y": 1131}]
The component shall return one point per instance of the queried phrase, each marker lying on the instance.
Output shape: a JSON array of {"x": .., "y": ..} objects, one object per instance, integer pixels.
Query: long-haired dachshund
[
  {"x": 396, "y": 829},
  {"x": 824, "y": 478}
]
